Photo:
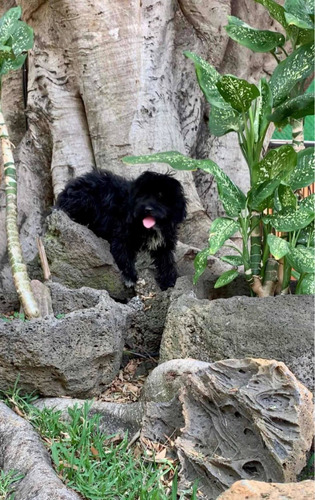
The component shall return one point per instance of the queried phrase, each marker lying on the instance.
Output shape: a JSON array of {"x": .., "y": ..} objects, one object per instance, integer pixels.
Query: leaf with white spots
[
  {"x": 8, "y": 23},
  {"x": 226, "y": 278},
  {"x": 200, "y": 263},
  {"x": 278, "y": 246},
  {"x": 237, "y": 92},
  {"x": 298, "y": 66},
  {"x": 304, "y": 173},
  {"x": 233, "y": 260},
  {"x": 222, "y": 121},
  {"x": 254, "y": 39},
  {"x": 302, "y": 259},
  {"x": 298, "y": 107},
  {"x": 300, "y": 13},
  {"x": 291, "y": 221},
  {"x": 307, "y": 285},
  {"x": 221, "y": 229}
]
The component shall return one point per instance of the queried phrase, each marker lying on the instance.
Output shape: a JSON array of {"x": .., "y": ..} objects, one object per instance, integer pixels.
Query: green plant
[
  {"x": 92, "y": 463},
  {"x": 16, "y": 38},
  {"x": 248, "y": 110},
  {"x": 7, "y": 480}
]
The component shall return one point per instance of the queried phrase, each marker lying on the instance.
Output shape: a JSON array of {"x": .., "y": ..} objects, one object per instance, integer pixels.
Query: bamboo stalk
[{"x": 18, "y": 267}]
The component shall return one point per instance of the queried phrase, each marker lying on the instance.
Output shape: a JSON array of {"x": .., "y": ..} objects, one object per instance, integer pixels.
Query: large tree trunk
[{"x": 108, "y": 79}]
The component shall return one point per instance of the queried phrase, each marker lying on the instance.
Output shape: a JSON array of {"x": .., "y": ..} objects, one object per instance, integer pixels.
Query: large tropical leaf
[
  {"x": 8, "y": 23},
  {"x": 307, "y": 285},
  {"x": 291, "y": 221},
  {"x": 254, "y": 39},
  {"x": 304, "y": 173},
  {"x": 275, "y": 10},
  {"x": 237, "y": 92},
  {"x": 302, "y": 259},
  {"x": 22, "y": 38},
  {"x": 233, "y": 199},
  {"x": 287, "y": 198},
  {"x": 207, "y": 77},
  {"x": 200, "y": 263},
  {"x": 298, "y": 107},
  {"x": 226, "y": 278},
  {"x": 308, "y": 203},
  {"x": 222, "y": 121},
  {"x": 278, "y": 246},
  {"x": 233, "y": 260},
  {"x": 12, "y": 64},
  {"x": 278, "y": 161},
  {"x": 5, "y": 53},
  {"x": 300, "y": 13},
  {"x": 221, "y": 229},
  {"x": 291, "y": 70}
]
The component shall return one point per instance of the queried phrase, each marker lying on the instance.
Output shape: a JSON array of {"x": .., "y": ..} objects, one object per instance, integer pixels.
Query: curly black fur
[{"x": 118, "y": 211}]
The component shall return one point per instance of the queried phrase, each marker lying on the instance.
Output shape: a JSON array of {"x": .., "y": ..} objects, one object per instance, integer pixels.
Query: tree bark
[{"x": 108, "y": 79}]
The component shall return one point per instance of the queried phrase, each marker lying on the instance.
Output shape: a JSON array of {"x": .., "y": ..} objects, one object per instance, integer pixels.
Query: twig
[{"x": 43, "y": 259}]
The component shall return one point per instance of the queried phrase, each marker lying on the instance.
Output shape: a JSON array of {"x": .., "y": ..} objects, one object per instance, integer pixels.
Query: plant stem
[{"x": 18, "y": 267}]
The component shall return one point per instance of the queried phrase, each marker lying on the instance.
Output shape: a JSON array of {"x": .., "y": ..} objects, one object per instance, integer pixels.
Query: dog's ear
[{"x": 180, "y": 209}]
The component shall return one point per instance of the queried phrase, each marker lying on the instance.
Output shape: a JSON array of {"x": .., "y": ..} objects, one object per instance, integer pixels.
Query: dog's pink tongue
[{"x": 148, "y": 222}]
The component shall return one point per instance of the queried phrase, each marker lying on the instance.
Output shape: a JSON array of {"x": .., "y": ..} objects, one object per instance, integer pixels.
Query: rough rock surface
[
  {"x": 22, "y": 450},
  {"x": 77, "y": 257},
  {"x": 278, "y": 328},
  {"x": 114, "y": 417},
  {"x": 234, "y": 419},
  {"x": 77, "y": 355},
  {"x": 258, "y": 490}
]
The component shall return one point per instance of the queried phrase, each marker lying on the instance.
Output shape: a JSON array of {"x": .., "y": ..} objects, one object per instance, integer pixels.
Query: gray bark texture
[{"x": 108, "y": 79}]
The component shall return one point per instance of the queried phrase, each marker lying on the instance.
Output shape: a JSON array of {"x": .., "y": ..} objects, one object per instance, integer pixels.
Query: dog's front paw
[{"x": 165, "y": 284}]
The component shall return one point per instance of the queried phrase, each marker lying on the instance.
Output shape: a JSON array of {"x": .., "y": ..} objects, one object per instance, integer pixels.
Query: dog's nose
[{"x": 148, "y": 209}]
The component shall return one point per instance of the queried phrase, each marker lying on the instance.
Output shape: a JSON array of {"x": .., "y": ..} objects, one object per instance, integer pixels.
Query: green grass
[
  {"x": 96, "y": 465},
  {"x": 7, "y": 480}
]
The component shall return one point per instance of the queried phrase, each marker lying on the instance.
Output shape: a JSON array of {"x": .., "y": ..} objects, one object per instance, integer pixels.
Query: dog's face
[{"x": 157, "y": 200}]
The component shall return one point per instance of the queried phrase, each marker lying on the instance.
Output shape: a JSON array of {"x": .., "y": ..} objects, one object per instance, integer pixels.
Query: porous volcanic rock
[
  {"x": 258, "y": 490},
  {"x": 22, "y": 450},
  {"x": 280, "y": 328},
  {"x": 77, "y": 355},
  {"x": 232, "y": 420}
]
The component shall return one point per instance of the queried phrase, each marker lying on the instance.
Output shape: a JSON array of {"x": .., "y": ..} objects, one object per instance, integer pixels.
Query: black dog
[{"x": 131, "y": 215}]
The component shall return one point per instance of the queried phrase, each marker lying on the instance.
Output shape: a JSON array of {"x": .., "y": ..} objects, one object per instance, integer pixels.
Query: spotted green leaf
[
  {"x": 233, "y": 199},
  {"x": 8, "y": 23},
  {"x": 5, "y": 53},
  {"x": 306, "y": 285},
  {"x": 237, "y": 92},
  {"x": 308, "y": 202},
  {"x": 233, "y": 260},
  {"x": 304, "y": 173},
  {"x": 291, "y": 70},
  {"x": 298, "y": 107},
  {"x": 200, "y": 263},
  {"x": 222, "y": 121},
  {"x": 300, "y": 13},
  {"x": 287, "y": 198},
  {"x": 278, "y": 246},
  {"x": 13, "y": 64},
  {"x": 275, "y": 10},
  {"x": 226, "y": 278},
  {"x": 207, "y": 77},
  {"x": 221, "y": 229},
  {"x": 254, "y": 39},
  {"x": 291, "y": 221},
  {"x": 302, "y": 259},
  {"x": 278, "y": 161},
  {"x": 22, "y": 38}
]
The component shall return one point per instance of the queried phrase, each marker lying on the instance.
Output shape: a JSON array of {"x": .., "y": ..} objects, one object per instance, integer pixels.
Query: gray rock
[
  {"x": 78, "y": 258},
  {"x": 115, "y": 418},
  {"x": 280, "y": 328},
  {"x": 22, "y": 450},
  {"x": 231, "y": 420},
  {"x": 77, "y": 355}
]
